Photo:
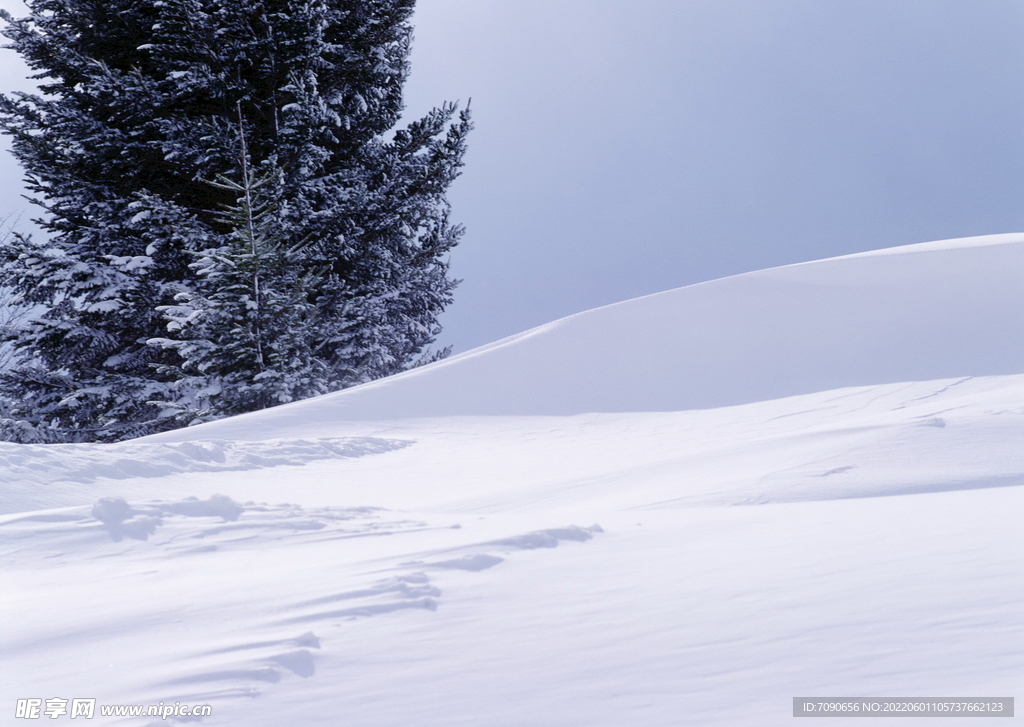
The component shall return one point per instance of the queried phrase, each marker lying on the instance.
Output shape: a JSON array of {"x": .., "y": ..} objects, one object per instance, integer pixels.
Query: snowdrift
[
  {"x": 567, "y": 527},
  {"x": 916, "y": 313}
]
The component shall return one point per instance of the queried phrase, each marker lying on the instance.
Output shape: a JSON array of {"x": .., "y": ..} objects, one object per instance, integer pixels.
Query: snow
[
  {"x": 938, "y": 310},
  {"x": 684, "y": 509}
]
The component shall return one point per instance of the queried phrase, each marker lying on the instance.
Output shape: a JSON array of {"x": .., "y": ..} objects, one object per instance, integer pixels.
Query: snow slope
[
  {"x": 917, "y": 313},
  {"x": 684, "y": 509}
]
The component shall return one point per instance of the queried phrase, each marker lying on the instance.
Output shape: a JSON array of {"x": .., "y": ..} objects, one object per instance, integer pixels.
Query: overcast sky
[{"x": 624, "y": 147}]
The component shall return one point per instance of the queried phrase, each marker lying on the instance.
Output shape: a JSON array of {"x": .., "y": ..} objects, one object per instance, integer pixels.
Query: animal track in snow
[
  {"x": 286, "y": 633},
  {"x": 412, "y": 588}
]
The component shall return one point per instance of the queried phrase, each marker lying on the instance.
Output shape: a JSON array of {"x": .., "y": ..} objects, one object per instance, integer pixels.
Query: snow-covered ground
[{"x": 684, "y": 509}]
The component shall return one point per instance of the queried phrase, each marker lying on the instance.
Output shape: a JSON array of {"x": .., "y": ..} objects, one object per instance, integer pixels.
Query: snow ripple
[
  {"x": 285, "y": 631},
  {"x": 47, "y": 463}
]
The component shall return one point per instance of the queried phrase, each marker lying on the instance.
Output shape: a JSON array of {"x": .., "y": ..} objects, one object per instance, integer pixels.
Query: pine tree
[
  {"x": 245, "y": 331},
  {"x": 133, "y": 153}
]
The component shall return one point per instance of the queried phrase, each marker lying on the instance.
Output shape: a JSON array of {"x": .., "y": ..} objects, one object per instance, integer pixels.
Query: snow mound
[{"x": 916, "y": 313}]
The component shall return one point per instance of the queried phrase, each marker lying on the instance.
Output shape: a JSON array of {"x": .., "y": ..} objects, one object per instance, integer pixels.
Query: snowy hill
[
  {"x": 916, "y": 313},
  {"x": 685, "y": 509}
]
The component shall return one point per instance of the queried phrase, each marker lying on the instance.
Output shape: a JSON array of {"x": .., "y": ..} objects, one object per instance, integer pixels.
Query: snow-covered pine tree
[
  {"x": 138, "y": 116},
  {"x": 245, "y": 330}
]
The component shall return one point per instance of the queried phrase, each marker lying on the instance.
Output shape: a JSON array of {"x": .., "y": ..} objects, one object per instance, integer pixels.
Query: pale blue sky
[
  {"x": 629, "y": 146},
  {"x": 625, "y": 147}
]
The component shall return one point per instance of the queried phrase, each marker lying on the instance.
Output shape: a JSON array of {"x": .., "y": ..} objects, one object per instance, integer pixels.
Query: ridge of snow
[{"x": 921, "y": 312}]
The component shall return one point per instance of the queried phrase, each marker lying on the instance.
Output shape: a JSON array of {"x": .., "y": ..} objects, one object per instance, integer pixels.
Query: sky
[{"x": 625, "y": 147}]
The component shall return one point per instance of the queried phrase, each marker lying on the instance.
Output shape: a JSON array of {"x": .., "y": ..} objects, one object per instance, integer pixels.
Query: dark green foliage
[{"x": 145, "y": 106}]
